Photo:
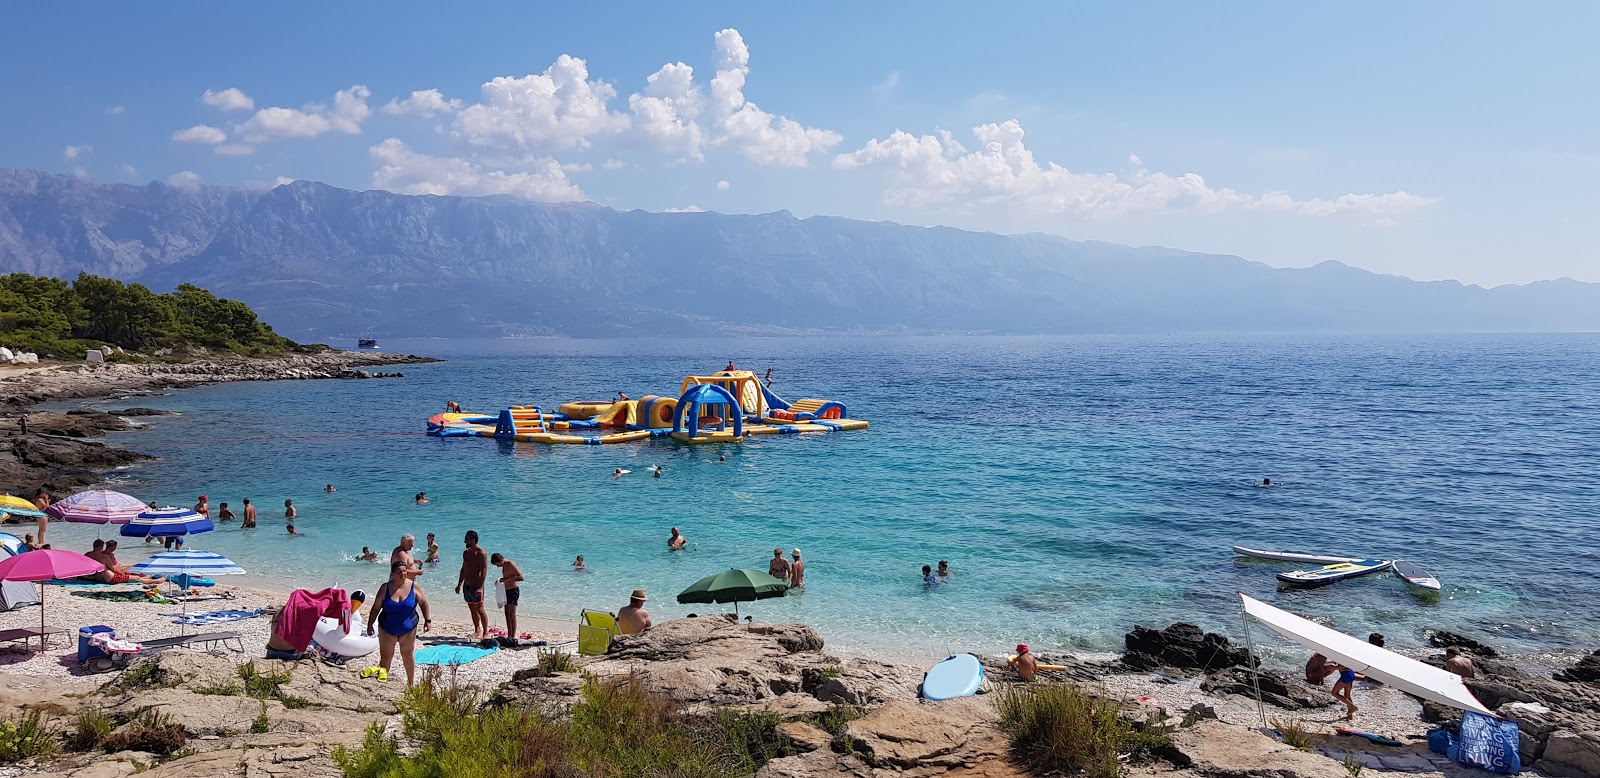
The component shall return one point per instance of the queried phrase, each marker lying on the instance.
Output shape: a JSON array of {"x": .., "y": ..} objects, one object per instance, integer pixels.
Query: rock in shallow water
[{"x": 1183, "y": 646}]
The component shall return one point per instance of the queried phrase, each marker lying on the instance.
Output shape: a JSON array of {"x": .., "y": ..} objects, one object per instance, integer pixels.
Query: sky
[{"x": 1433, "y": 140}]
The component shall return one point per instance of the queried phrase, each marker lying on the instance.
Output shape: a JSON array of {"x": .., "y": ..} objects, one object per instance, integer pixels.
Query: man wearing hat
[
  {"x": 1026, "y": 665},
  {"x": 633, "y": 618}
]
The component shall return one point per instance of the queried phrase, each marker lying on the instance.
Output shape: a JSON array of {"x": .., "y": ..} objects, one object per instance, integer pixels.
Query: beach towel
[
  {"x": 298, "y": 624},
  {"x": 1489, "y": 744},
  {"x": 213, "y": 617},
  {"x": 78, "y": 582},
  {"x": 138, "y": 596},
  {"x": 452, "y": 654},
  {"x": 107, "y": 642}
]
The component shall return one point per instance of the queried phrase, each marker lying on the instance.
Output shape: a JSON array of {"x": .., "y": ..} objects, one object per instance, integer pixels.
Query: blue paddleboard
[{"x": 958, "y": 676}]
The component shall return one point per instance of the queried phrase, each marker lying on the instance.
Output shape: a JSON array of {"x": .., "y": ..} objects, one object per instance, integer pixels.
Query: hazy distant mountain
[{"x": 326, "y": 263}]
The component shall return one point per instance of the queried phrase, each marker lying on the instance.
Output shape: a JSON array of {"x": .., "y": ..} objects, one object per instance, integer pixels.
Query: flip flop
[
  {"x": 368, "y": 672},
  {"x": 383, "y": 675}
]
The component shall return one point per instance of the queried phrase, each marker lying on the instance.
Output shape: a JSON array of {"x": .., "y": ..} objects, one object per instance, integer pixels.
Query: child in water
[{"x": 578, "y": 564}]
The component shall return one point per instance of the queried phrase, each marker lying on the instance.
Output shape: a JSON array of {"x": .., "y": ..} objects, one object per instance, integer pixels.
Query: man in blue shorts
[{"x": 469, "y": 584}]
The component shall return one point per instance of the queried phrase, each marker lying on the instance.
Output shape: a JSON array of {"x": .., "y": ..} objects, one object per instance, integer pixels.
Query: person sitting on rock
[
  {"x": 633, "y": 618},
  {"x": 1026, "y": 665},
  {"x": 1458, "y": 663}
]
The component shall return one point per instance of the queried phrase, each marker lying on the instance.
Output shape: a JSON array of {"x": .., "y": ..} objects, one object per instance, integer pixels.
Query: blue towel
[
  {"x": 452, "y": 655},
  {"x": 213, "y": 617}
]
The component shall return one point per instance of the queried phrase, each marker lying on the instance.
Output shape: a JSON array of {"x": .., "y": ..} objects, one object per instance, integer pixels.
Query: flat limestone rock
[{"x": 907, "y": 733}]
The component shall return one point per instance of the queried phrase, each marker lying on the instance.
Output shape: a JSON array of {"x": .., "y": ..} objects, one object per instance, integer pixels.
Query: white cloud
[
  {"x": 723, "y": 186},
  {"x": 424, "y": 103},
  {"x": 349, "y": 110},
  {"x": 115, "y": 110},
  {"x": 760, "y": 137},
  {"x": 187, "y": 179},
  {"x": 685, "y": 209},
  {"x": 127, "y": 169},
  {"x": 200, "y": 133},
  {"x": 935, "y": 171},
  {"x": 888, "y": 84},
  {"x": 665, "y": 112},
  {"x": 409, "y": 172},
  {"x": 76, "y": 152},
  {"x": 555, "y": 110},
  {"x": 611, "y": 164},
  {"x": 234, "y": 150},
  {"x": 80, "y": 171},
  {"x": 281, "y": 181},
  {"x": 1135, "y": 160},
  {"x": 230, "y": 99}
]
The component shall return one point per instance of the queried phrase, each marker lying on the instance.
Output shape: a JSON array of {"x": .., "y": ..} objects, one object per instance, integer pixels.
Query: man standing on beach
[
  {"x": 469, "y": 584},
  {"x": 402, "y": 552},
  {"x": 249, "y": 515},
  {"x": 633, "y": 618},
  {"x": 511, "y": 578}
]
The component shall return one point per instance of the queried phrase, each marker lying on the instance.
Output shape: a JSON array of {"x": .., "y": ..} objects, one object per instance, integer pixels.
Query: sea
[{"x": 1077, "y": 486}]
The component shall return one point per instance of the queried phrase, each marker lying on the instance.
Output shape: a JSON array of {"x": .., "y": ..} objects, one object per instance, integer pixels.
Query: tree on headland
[{"x": 53, "y": 318}]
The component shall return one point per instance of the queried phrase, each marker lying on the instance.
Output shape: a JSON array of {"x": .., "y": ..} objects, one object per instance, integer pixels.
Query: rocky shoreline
[
  {"x": 837, "y": 715},
  {"x": 57, "y": 454}
]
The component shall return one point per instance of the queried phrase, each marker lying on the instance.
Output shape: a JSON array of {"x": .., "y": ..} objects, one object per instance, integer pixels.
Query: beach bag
[
  {"x": 1441, "y": 742},
  {"x": 1489, "y": 744},
  {"x": 499, "y": 594}
]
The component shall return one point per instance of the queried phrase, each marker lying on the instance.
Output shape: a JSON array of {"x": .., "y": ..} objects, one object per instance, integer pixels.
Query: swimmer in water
[
  {"x": 433, "y": 550},
  {"x": 329, "y": 488},
  {"x": 676, "y": 542},
  {"x": 928, "y": 578},
  {"x": 944, "y": 569},
  {"x": 293, "y": 531},
  {"x": 722, "y": 459},
  {"x": 367, "y": 555},
  {"x": 422, "y": 498},
  {"x": 1265, "y": 482},
  {"x": 577, "y": 564},
  {"x": 617, "y": 473}
]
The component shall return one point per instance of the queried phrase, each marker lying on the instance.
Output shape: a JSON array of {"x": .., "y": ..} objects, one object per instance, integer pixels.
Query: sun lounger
[
  {"x": 208, "y": 641},
  {"x": 595, "y": 631},
  {"x": 25, "y": 635}
]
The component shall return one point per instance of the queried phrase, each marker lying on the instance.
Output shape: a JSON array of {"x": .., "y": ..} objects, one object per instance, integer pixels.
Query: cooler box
[{"x": 86, "y": 651}]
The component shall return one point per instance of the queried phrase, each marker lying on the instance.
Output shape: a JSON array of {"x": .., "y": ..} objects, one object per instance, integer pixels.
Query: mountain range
[{"x": 323, "y": 263}]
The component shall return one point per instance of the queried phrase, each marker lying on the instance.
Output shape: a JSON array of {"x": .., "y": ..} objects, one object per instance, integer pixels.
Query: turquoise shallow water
[{"x": 1076, "y": 485}]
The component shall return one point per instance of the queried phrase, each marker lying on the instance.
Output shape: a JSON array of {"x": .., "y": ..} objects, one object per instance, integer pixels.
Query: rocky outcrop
[
  {"x": 1559, "y": 719},
  {"x": 1442, "y": 638},
  {"x": 1276, "y": 688},
  {"x": 1181, "y": 646},
  {"x": 1587, "y": 670},
  {"x": 58, "y": 464}
]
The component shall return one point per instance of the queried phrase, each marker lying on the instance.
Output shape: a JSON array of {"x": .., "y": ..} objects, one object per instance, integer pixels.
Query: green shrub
[
  {"x": 27, "y": 736},
  {"x": 552, "y": 661},
  {"x": 89, "y": 728},
  {"x": 150, "y": 731},
  {"x": 260, "y": 724},
  {"x": 1057, "y": 727},
  {"x": 1294, "y": 733},
  {"x": 836, "y": 717},
  {"x": 218, "y": 690},
  {"x": 146, "y": 674}
]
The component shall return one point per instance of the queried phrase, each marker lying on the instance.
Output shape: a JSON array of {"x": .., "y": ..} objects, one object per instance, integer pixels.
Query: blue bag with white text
[{"x": 1489, "y": 743}]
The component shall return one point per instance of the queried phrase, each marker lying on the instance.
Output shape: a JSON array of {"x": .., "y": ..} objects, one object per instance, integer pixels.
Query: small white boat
[
  {"x": 1328, "y": 574},
  {"x": 1415, "y": 576},
  {"x": 1294, "y": 556}
]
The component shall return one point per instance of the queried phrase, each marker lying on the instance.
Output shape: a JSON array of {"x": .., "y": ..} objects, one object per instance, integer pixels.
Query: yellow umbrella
[{"x": 16, "y": 506}]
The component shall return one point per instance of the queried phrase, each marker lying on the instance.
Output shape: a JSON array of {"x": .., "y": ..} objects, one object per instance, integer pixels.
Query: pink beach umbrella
[
  {"x": 101, "y": 506},
  {"x": 44, "y": 565}
]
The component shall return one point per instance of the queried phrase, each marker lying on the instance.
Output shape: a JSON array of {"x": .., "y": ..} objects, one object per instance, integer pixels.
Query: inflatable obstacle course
[{"x": 722, "y": 407}]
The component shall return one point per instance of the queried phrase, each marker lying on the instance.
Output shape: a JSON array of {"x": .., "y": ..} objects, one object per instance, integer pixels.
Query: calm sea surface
[{"x": 1077, "y": 486}]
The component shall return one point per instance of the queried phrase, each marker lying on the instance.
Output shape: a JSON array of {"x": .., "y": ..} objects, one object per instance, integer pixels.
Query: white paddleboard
[
  {"x": 1295, "y": 556},
  {"x": 958, "y": 676}
]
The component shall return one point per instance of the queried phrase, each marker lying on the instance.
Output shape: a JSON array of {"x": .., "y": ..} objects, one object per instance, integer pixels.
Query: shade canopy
[
  {"x": 734, "y": 585},
  {"x": 9, "y": 545},
  {"x": 191, "y": 563},
  {"x": 46, "y": 564},
  {"x": 1380, "y": 664},
  {"x": 166, "y": 523},
  {"x": 100, "y": 506},
  {"x": 16, "y": 506}
]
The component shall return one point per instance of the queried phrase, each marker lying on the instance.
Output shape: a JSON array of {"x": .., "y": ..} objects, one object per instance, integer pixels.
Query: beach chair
[
  {"x": 207, "y": 641},
  {"x": 27, "y": 634},
  {"x": 595, "y": 631}
]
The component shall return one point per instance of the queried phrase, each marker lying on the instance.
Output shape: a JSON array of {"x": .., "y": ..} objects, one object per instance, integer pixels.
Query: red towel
[{"x": 299, "y": 621}]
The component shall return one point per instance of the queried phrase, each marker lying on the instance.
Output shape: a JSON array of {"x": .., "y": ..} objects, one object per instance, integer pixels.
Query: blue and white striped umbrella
[
  {"x": 192, "y": 563},
  {"x": 166, "y": 523}
]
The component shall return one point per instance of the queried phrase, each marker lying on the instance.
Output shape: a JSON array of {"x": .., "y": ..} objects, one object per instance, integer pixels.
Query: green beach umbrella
[{"x": 735, "y": 586}]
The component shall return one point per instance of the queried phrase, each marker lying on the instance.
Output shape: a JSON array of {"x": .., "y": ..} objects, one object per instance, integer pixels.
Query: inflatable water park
[{"x": 722, "y": 407}]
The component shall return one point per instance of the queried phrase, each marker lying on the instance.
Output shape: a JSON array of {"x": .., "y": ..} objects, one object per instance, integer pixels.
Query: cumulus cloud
[
  {"x": 685, "y": 209},
  {"x": 230, "y": 99},
  {"x": 611, "y": 164},
  {"x": 187, "y": 179},
  {"x": 404, "y": 170},
  {"x": 127, "y": 169},
  {"x": 200, "y": 133},
  {"x": 423, "y": 103},
  {"x": 723, "y": 186},
  {"x": 558, "y": 109},
  {"x": 758, "y": 136},
  {"x": 665, "y": 112},
  {"x": 349, "y": 110},
  {"x": 76, "y": 152},
  {"x": 935, "y": 171},
  {"x": 281, "y": 181}
]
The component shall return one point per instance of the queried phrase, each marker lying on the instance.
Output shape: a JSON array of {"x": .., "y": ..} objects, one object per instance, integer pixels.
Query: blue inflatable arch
[{"x": 707, "y": 394}]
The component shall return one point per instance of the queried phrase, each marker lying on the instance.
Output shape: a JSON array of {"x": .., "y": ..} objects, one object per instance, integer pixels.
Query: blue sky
[{"x": 1434, "y": 140}]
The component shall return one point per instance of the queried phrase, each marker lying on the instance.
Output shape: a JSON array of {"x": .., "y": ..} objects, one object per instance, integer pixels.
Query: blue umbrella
[
  {"x": 186, "y": 563},
  {"x": 167, "y": 523}
]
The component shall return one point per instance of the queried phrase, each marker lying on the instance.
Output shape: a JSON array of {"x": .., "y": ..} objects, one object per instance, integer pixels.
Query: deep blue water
[{"x": 1077, "y": 486}]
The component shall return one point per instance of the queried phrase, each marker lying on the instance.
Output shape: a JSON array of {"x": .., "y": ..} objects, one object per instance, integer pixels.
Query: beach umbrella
[
  {"x": 190, "y": 563},
  {"x": 44, "y": 565},
  {"x": 16, "y": 506},
  {"x": 100, "y": 506},
  {"x": 10, "y": 545},
  {"x": 735, "y": 586},
  {"x": 166, "y": 523}
]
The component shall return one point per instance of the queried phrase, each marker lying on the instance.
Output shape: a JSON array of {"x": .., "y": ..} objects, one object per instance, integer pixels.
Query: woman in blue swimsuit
[
  {"x": 396, "y": 615},
  {"x": 1341, "y": 691}
]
